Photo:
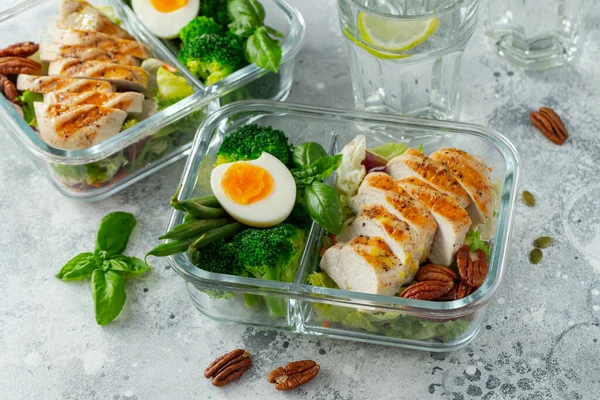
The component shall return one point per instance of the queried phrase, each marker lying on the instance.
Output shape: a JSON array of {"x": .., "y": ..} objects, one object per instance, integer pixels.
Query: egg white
[
  {"x": 165, "y": 25},
  {"x": 267, "y": 212}
]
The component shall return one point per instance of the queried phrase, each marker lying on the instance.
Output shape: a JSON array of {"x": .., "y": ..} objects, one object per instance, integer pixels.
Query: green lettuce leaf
[
  {"x": 26, "y": 100},
  {"x": 172, "y": 88},
  {"x": 389, "y": 150},
  {"x": 93, "y": 173}
]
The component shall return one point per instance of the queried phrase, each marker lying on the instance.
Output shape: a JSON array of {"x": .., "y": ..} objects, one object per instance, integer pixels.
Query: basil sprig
[
  {"x": 107, "y": 267},
  {"x": 322, "y": 202},
  {"x": 261, "y": 48}
]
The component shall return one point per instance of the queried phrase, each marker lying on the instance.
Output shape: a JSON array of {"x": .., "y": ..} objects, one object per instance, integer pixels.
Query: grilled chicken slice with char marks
[
  {"x": 99, "y": 40},
  {"x": 452, "y": 220},
  {"x": 375, "y": 221},
  {"x": 77, "y": 127},
  {"x": 131, "y": 78},
  {"x": 474, "y": 176},
  {"x": 130, "y": 102},
  {"x": 50, "y": 84},
  {"x": 416, "y": 164},
  {"x": 53, "y": 51},
  {"x": 79, "y": 14},
  {"x": 364, "y": 264},
  {"x": 380, "y": 188}
]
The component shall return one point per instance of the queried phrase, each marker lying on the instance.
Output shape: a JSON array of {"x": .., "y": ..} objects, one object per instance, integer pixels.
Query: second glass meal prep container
[
  {"x": 100, "y": 171},
  {"x": 426, "y": 325}
]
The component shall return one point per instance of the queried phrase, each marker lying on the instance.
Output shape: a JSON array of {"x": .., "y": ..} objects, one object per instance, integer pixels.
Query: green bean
[
  {"x": 174, "y": 202},
  {"x": 171, "y": 248},
  {"x": 223, "y": 232},
  {"x": 201, "y": 211},
  {"x": 188, "y": 218},
  {"x": 208, "y": 201},
  {"x": 194, "y": 228},
  {"x": 193, "y": 255}
]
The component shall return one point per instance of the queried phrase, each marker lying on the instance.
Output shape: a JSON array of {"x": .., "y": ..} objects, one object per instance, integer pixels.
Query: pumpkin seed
[
  {"x": 535, "y": 256},
  {"x": 528, "y": 198},
  {"x": 542, "y": 242}
]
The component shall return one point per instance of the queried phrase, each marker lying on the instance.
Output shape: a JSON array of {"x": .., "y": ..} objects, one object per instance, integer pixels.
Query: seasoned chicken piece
[
  {"x": 375, "y": 220},
  {"x": 131, "y": 78},
  {"x": 78, "y": 14},
  {"x": 77, "y": 127},
  {"x": 413, "y": 163},
  {"x": 474, "y": 176},
  {"x": 130, "y": 102},
  {"x": 54, "y": 51},
  {"x": 452, "y": 220},
  {"x": 50, "y": 84},
  {"x": 99, "y": 40},
  {"x": 365, "y": 264},
  {"x": 380, "y": 188}
]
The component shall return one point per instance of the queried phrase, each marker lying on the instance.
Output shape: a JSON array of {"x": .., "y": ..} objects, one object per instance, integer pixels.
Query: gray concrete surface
[{"x": 540, "y": 339}]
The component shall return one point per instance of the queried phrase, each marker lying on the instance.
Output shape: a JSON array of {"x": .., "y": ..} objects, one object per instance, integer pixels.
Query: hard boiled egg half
[
  {"x": 259, "y": 193},
  {"x": 165, "y": 18}
]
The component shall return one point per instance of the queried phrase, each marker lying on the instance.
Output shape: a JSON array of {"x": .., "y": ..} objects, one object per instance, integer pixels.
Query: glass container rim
[{"x": 448, "y": 9}]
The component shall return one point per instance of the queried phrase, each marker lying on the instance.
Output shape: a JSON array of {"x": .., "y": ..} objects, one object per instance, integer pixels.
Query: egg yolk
[
  {"x": 167, "y": 6},
  {"x": 245, "y": 183}
]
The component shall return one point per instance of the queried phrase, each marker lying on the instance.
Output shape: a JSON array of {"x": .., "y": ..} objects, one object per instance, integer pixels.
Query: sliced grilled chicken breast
[
  {"x": 49, "y": 84},
  {"x": 452, "y": 220},
  {"x": 99, "y": 40},
  {"x": 364, "y": 265},
  {"x": 77, "y": 127},
  {"x": 474, "y": 176},
  {"x": 413, "y": 163},
  {"x": 375, "y": 221},
  {"x": 381, "y": 188},
  {"x": 53, "y": 51},
  {"x": 130, "y": 102},
  {"x": 131, "y": 78},
  {"x": 80, "y": 14}
]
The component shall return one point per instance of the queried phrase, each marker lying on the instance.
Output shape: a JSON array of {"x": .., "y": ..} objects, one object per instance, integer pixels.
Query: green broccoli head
[
  {"x": 215, "y": 9},
  {"x": 199, "y": 26},
  {"x": 219, "y": 257},
  {"x": 272, "y": 253},
  {"x": 250, "y": 141},
  {"x": 212, "y": 57}
]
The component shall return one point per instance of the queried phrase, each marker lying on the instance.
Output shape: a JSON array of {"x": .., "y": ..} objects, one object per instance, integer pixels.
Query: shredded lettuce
[
  {"x": 91, "y": 174},
  {"x": 389, "y": 150},
  {"x": 172, "y": 87},
  {"x": 351, "y": 172},
  {"x": 26, "y": 100},
  {"x": 390, "y": 324}
]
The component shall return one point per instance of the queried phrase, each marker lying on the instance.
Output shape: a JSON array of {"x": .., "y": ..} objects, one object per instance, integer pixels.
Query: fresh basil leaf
[
  {"x": 108, "y": 291},
  {"x": 114, "y": 232},
  {"x": 274, "y": 32},
  {"x": 127, "y": 267},
  {"x": 317, "y": 171},
  {"x": 263, "y": 51},
  {"x": 250, "y": 9},
  {"x": 324, "y": 207},
  {"x": 243, "y": 26},
  {"x": 306, "y": 153},
  {"x": 79, "y": 267}
]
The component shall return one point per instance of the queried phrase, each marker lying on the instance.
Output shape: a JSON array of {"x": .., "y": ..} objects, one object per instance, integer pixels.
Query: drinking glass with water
[{"x": 405, "y": 55}]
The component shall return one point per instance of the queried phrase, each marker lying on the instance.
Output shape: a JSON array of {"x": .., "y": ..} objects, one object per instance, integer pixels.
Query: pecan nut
[
  {"x": 24, "y": 49},
  {"x": 229, "y": 367},
  {"x": 293, "y": 374},
  {"x": 472, "y": 266},
  {"x": 19, "y": 65},
  {"x": 549, "y": 123},
  {"x": 427, "y": 290},
  {"x": 432, "y": 272},
  {"x": 8, "y": 88},
  {"x": 463, "y": 290},
  {"x": 451, "y": 295}
]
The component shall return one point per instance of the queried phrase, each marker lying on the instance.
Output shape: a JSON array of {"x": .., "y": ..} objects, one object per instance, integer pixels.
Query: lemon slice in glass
[{"x": 395, "y": 35}]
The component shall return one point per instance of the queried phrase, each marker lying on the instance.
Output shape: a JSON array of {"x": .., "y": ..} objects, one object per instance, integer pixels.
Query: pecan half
[
  {"x": 451, "y": 295},
  {"x": 228, "y": 368},
  {"x": 294, "y": 374},
  {"x": 19, "y": 65},
  {"x": 427, "y": 290},
  {"x": 432, "y": 272},
  {"x": 8, "y": 88},
  {"x": 549, "y": 123},
  {"x": 24, "y": 49},
  {"x": 473, "y": 267},
  {"x": 463, "y": 290}
]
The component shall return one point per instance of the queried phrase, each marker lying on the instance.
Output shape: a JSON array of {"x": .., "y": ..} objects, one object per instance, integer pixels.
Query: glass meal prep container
[
  {"x": 426, "y": 325},
  {"x": 100, "y": 171}
]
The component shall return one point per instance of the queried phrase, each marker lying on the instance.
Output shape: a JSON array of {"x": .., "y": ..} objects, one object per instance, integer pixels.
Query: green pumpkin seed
[
  {"x": 528, "y": 198},
  {"x": 535, "y": 256},
  {"x": 542, "y": 242}
]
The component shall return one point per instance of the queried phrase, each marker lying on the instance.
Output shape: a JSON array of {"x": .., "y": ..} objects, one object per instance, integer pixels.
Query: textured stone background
[{"x": 540, "y": 339}]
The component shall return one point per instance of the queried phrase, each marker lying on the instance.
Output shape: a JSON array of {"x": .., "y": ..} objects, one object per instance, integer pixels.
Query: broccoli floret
[
  {"x": 219, "y": 257},
  {"x": 250, "y": 141},
  {"x": 199, "y": 26},
  {"x": 213, "y": 57},
  {"x": 215, "y": 9}
]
